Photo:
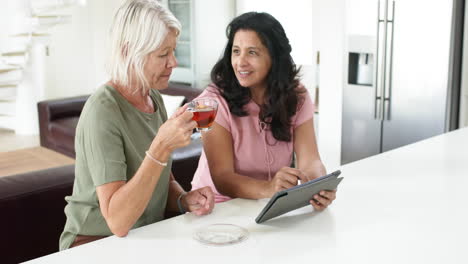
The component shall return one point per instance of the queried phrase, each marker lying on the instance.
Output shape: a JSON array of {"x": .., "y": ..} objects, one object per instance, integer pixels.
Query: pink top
[{"x": 256, "y": 152}]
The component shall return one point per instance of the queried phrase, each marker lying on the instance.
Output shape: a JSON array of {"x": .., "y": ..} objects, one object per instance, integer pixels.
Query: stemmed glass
[{"x": 204, "y": 112}]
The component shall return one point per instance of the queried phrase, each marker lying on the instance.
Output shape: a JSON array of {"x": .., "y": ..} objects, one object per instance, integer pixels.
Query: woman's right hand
[
  {"x": 174, "y": 133},
  {"x": 286, "y": 178}
]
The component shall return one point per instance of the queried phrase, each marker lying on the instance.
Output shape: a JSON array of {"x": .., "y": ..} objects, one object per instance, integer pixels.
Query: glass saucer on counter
[{"x": 221, "y": 234}]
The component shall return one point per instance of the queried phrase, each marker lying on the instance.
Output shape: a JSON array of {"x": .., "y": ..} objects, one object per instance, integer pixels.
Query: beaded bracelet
[{"x": 164, "y": 164}]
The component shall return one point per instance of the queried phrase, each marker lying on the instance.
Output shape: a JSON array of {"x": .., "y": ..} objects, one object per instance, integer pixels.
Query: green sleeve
[{"x": 102, "y": 143}]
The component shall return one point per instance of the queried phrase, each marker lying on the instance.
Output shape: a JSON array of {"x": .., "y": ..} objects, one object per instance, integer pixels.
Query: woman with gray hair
[{"x": 124, "y": 140}]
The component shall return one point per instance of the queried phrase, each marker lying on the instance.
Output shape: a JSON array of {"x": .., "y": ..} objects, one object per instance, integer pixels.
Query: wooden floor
[{"x": 31, "y": 159}]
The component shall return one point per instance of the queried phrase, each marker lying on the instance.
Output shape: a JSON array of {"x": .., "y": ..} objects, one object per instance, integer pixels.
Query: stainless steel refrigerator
[{"x": 402, "y": 71}]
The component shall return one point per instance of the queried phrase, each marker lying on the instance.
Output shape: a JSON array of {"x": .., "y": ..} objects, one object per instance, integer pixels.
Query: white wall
[
  {"x": 102, "y": 14},
  {"x": 210, "y": 20},
  {"x": 69, "y": 62},
  {"x": 329, "y": 18},
  {"x": 77, "y": 51}
]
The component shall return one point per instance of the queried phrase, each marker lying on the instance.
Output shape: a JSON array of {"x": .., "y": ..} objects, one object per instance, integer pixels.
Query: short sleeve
[
  {"x": 102, "y": 145},
  {"x": 305, "y": 110},
  {"x": 223, "y": 114}
]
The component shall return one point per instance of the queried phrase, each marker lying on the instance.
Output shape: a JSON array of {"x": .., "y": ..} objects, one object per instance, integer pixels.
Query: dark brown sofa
[{"x": 32, "y": 217}]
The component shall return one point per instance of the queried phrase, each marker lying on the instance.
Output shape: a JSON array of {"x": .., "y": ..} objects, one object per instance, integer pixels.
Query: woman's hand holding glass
[{"x": 175, "y": 132}]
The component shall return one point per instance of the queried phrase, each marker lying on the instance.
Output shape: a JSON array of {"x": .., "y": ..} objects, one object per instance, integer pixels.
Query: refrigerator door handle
[
  {"x": 384, "y": 62},
  {"x": 378, "y": 95},
  {"x": 388, "y": 96}
]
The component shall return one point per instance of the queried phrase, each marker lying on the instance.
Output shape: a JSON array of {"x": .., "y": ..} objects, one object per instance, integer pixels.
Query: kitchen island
[{"x": 408, "y": 205}]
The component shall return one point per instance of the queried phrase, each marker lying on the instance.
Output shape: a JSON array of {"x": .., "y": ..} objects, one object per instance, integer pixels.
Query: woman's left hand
[
  {"x": 199, "y": 201},
  {"x": 323, "y": 199}
]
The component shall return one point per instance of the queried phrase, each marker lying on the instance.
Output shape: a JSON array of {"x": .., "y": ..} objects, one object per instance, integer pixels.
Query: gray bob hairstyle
[{"x": 139, "y": 28}]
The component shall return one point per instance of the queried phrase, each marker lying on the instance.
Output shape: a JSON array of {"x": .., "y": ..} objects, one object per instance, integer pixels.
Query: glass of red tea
[{"x": 204, "y": 112}]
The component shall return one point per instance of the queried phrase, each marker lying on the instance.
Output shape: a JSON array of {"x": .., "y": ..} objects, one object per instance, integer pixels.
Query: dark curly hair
[{"x": 283, "y": 91}]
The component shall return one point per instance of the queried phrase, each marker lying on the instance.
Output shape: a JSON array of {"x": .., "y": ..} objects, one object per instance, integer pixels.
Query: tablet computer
[{"x": 297, "y": 196}]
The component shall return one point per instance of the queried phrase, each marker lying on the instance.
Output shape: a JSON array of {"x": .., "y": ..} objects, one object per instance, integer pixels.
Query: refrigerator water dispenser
[{"x": 361, "y": 68}]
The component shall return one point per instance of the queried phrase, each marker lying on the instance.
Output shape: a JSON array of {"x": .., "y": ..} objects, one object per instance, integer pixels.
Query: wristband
[{"x": 179, "y": 204}]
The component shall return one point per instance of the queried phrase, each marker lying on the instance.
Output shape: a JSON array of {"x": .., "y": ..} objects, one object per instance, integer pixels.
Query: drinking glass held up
[{"x": 204, "y": 112}]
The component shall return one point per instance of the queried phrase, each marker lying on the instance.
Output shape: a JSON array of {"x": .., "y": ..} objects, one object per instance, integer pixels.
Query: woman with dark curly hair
[{"x": 265, "y": 116}]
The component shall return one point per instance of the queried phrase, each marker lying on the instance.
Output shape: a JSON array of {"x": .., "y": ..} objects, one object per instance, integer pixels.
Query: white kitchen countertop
[{"x": 409, "y": 205}]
